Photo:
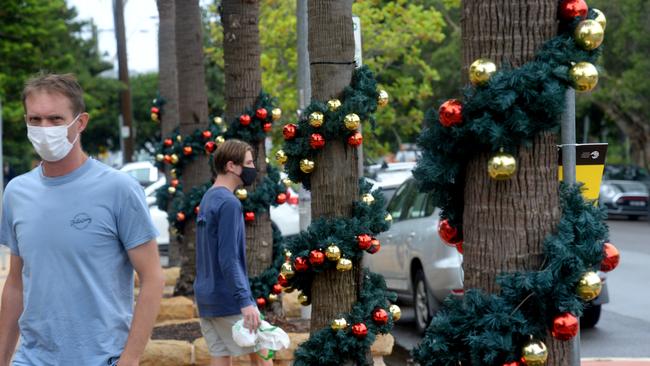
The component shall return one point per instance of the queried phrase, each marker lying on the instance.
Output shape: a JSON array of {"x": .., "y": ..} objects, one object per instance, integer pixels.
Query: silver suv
[{"x": 413, "y": 259}]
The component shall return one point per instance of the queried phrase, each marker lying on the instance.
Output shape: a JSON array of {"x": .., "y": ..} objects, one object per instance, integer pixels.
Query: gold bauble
[
  {"x": 589, "y": 34},
  {"x": 281, "y": 157},
  {"x": 584, "y": 76},
  {"x": 395, "y": 311},
  {"x": 333, "y": 105},
  {"x": 600, "y": 18},
  {"x": 307, "y": 166},
  {"x": 219, "y": 140},
  {"x": 160, "y": 157},
  {"x": 352, "y": 121},
  {"x": 343, "y": 265},
  {"x": 288, "y": 289},
  {"x": 154, "y": 117},
  {"x": 316, "y": 119},
  {"x": 171, "y": 190},
  {"x": 534, "y": 353},
  {"x": 179, "y": 138},
  {"x": 218, "y": 120},
  {"x": 287, "y": 270},
  {"x": 241, "y": 193},
  {"x": 589, "y": 286},
  {"x": 481, "y": 70},
  {"x": 174, "y": 158},
  {"x": 273, "y": 297},
  {"x": 287, "y": 254},
  {"x": 333, "y": 253},
  {"x": 304, "y": 299},
  {"x": 172, "y": 173},
  {"x": 339, "y": 324},
  {"x": 368, "y": 199},
  {"x": 287, "y": 182},
  {"x": 388, "y": 217},
  {"x": 276, "y": 114},
  {"x": 382, "y": 99},
  {"x": 502, "y": 166}
]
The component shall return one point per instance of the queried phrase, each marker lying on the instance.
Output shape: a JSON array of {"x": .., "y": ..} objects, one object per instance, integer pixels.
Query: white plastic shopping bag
[{"x": 267, "y": 336}]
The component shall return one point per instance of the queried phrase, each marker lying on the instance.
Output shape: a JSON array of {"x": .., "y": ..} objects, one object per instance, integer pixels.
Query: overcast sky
[{"x": 141, "y": 18}]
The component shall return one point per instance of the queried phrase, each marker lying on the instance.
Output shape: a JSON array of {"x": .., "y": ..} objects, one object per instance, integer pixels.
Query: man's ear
[{"x": 83, "y": 121}]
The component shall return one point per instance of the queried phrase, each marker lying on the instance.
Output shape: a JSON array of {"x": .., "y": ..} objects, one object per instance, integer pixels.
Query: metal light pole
[
  {"x": 568, "y": 138},
  {"x": 304, "y": 97}
]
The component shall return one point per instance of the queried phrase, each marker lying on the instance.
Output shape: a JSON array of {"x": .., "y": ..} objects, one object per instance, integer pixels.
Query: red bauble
[
  {"x": 174, "y": 183},
  {"x": 459, "y": 247},
  {"x": 167, "y": 159},
  {"x": 565, "y": 326},
  {"x": 187, "y": 150},
  {"x": 300, "y": 264},
  {"x": 168, "y": 142},
  {"x": 364, "y": 241},
  {"x": 281, "y": 198},
  {"x": 375, "y": 245},
  {"x": 277, "y": 288},
  {"x": 611, "y": 258},
  {"x": 448, "y": 233},
  {"x": 155, "y": 110},
  {"x": 206, "y": 134},
  {"x": 249, "y": 216},
  {"x": 289, "y": 131},
  {"x": 569, "y": 9},
  {"x": 513, "y": 363},
  {"x": 210, "y": 146},
  {"x": 380, "y": 316},
  {"x": 282, "y": 281},
  {"x": 316, "y": 257},
  {"x": 356, "y": 139},
  {"x": 451, "y": 113},
  {"x": 261, "y": 302},
  {"x": 360, "y": 330},
  {"x": 267, "y": 127},
  {"x": 261, "y": 113},
  {"x": 316, "y": 141},
  {"x": 180, "y": 217},
  {"x": 245, "y": 119},
  {"x": 197, "y": 209}
]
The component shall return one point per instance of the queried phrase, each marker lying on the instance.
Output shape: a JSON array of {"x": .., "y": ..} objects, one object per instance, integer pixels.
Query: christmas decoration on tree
[
  {"x": 157, "y": 108},
  {"x": 501, "y": 111}
]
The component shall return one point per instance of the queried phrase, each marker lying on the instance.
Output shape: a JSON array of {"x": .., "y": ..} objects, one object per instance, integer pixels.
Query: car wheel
[
  {"x": 421, "y": 302},
  {"x": 590, "y": 316},
  {"x": 633, "y": 217}
]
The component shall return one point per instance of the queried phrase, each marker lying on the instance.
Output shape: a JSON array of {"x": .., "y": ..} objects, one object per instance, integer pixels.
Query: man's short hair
[
  {"x": 232, "y": 150},
  {"x": 64, "y": 84}
]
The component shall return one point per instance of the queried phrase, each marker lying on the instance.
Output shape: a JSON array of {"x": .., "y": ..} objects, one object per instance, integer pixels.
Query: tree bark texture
[
  {"x": 168, "y": 87},
  {"x": 193, "y": 114},
  {"x": 335, "y": 179},
  {"x": 243, "y": 85},
  {"x": 505, "y": 222}
]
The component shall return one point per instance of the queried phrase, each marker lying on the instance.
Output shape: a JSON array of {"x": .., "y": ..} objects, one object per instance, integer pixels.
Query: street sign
[
  {"x": 356, "y": 23},
  {"x": 590, "y": 163}
]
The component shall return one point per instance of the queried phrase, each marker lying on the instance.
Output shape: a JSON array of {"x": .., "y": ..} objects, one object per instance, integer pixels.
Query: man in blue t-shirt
[
  {"x": 76, "y": 229},
  {"x": 221, "y": 287}
]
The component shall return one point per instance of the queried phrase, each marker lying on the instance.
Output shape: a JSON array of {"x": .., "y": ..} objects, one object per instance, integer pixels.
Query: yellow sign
[{"x": 590, "y": 163}]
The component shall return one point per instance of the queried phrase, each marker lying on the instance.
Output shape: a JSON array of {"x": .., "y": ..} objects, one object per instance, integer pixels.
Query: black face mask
[{"x": 248, "y": 175}]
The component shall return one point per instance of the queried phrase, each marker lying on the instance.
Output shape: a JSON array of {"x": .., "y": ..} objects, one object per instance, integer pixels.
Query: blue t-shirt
[
  {"x": 221, "y": 286},
  {"x": 72, "y": 233}
]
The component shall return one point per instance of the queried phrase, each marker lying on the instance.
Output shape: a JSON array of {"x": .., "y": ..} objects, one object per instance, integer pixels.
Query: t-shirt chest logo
[{"x": 81, "y": 221}]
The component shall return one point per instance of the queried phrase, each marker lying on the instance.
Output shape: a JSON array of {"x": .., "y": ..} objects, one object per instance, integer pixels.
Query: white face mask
[{"x": 51, "y": 143}]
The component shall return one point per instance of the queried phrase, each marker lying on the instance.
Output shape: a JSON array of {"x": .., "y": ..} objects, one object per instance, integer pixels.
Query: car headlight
[{"x": 609, "y": 191}]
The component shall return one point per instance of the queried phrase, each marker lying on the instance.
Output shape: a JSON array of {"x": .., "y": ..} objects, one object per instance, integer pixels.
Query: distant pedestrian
[
  {"x": 7, "y": 173},
  {"x": 76, "y": 229},
  {"x": 221, "y": 287}
]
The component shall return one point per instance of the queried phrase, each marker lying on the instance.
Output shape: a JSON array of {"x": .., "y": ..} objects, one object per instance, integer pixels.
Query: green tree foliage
[
  {"x": 407, "y": 43},
  {"x": 42, "y": 35}
]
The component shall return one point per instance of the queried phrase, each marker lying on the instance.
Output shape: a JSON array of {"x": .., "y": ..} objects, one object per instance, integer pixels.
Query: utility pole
[
  {"x": 304, "y": 97},
  {"x": 126, "y": 131}
]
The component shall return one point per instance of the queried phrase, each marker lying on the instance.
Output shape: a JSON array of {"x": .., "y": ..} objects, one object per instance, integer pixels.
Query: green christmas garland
[
  {"x": 509, "y": 111},
  {"x": 339, "y": 124},
  {"x": 176, "y": 151}
]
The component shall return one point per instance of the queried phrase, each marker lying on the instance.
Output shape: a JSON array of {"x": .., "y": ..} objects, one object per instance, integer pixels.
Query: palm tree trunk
[
  {"x": 168, "y": 88},
  {"x": 243, "y": 85},
  {"x": 505, "y": 222},
  {"x": 193, "y": 114},
  {"x": 335, "y": 179}
]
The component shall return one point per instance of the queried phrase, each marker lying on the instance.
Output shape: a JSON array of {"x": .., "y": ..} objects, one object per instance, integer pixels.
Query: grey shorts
[{"x": 218, "y": 335}]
